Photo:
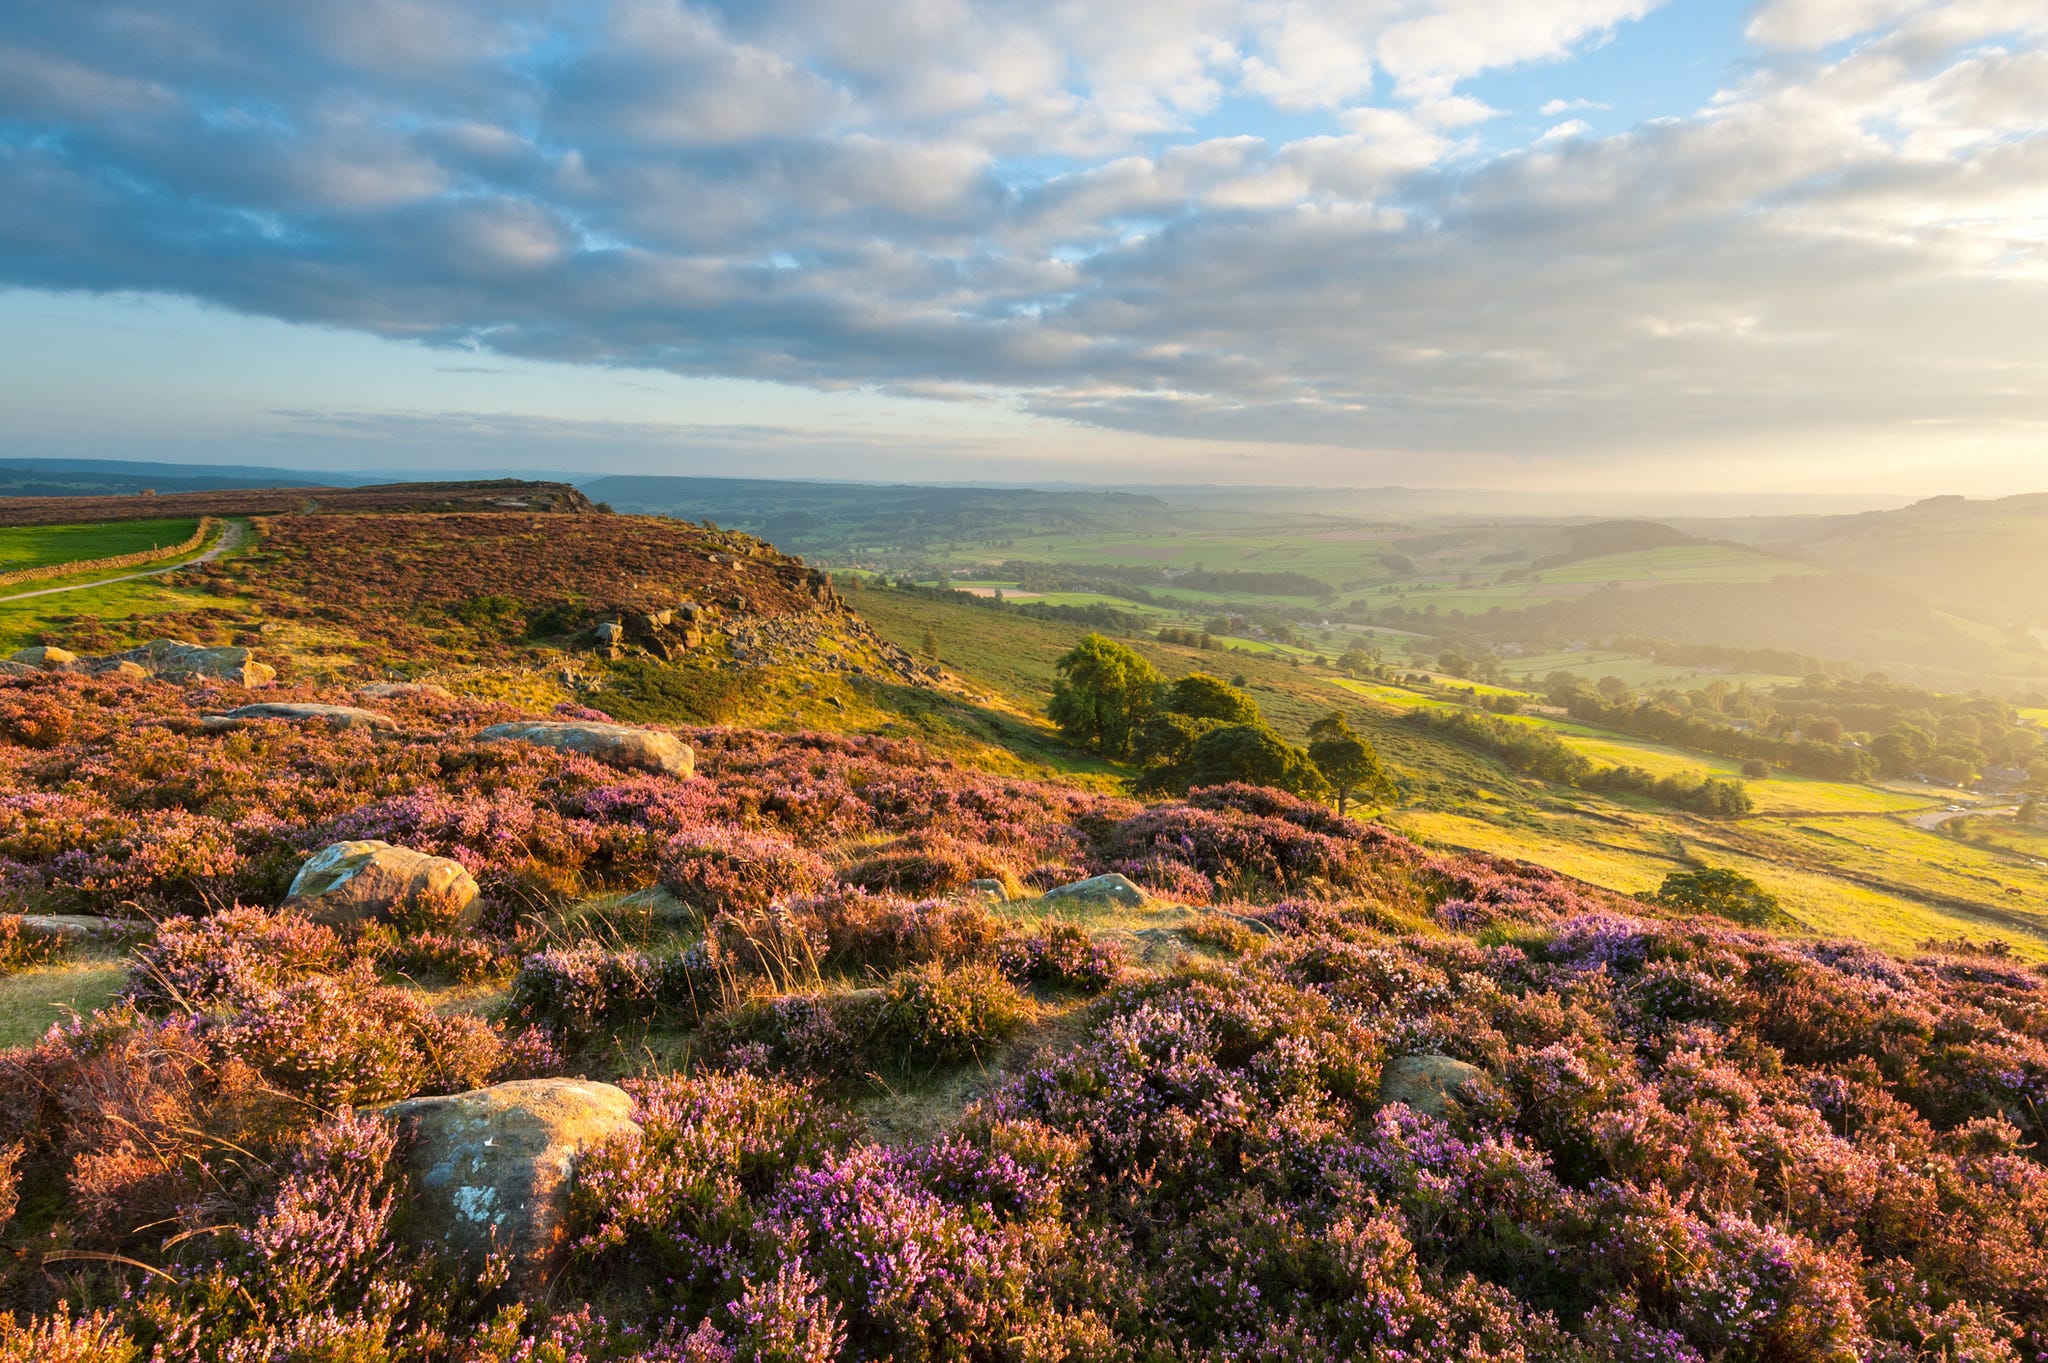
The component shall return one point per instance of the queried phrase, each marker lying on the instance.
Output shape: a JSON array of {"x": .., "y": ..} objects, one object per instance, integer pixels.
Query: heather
[{"x": 885, "y": 1117}]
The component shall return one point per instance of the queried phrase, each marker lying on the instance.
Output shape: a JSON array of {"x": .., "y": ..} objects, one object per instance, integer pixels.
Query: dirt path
[
  {"x": 230, "y": 538},
  {"x": 1930, "y": 822}
]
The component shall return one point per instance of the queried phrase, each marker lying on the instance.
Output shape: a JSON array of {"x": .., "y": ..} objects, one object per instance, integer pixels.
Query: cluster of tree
[
  {"x": 1672, "y": 720},
  {"x": 1201, "y": 730},
  {"x": 1529, "y": 749},
  {"x": 1191, "y": 638}
]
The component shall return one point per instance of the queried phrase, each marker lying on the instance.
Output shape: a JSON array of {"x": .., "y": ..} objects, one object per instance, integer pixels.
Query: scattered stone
[
  {"x": 67, "y": 929},
  {"x": 177, "y": 659},
  {"x": 492, "y": 1168},
  {"x": 990, "y": 888},
  {"x": 123, "y": 669},
  {"x": 14, "y": 669},
  {"x": 421, "y": 690},
  {"x": 1429, "y": 1084},
  {"x": 340, "y": 716},
  {"x": 45, "y": 658},
  {"x": 616, "y": 745},
  {"x": 347, "y": 882},
  {"x": 1113, "y": 887},
  {"x": 610, "y": 632}
]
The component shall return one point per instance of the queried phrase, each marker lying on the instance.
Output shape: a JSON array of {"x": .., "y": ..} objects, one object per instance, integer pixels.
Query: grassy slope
[
  {"x": 41, "y": 546},
  {"x": 1842, "y": 857}
]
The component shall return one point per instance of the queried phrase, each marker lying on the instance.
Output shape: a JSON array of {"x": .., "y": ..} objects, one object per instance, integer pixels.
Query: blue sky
[{"x": 1798, "y": 245}]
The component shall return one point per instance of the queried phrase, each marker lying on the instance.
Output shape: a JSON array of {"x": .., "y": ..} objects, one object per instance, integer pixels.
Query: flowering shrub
[
  {"x": 722, "y": 869},
  {"x": 1678, "y": 1141},
  {"x": 944, "y": 1014},
  {"x": 1064, "y": 954}
]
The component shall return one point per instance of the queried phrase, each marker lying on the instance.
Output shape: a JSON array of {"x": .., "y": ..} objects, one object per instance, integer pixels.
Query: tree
[
  {"x": 931, "y": 644},
  {"x": 1613, "y": 688},
  {"x": 1201, "y": 696},
  {"x": 1346, "y": 761},
  {"x": 1455, "y": 664},
  {"x": 1166, "y": 738},
  {"x": 1251, "y": 753},
  {"x": 1103, "y": 693},
  {"x": 1729, "y": 894},
  {"x": 1756, "y": 769}
]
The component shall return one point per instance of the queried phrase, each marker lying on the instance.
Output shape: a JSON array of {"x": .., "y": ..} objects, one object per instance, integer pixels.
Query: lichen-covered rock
[
  {"x": 989, "y": 888},
  {"x": 177, "y": 659},
  {"x": 1430, "y": 1084},
  {"x": 491, "y": 1169},
  {"x": 340, "y": 716},
  {"x": 346, "y": 882},
  {"x": 617, "y": 745},
  {"x": 45, "y": 658},
  {"x": 416, "y": 690},
  {"x": 67, "y": 929},
  {"x": 1114, "y": 888}
]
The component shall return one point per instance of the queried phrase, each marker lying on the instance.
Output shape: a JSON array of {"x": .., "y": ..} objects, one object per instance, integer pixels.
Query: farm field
[{"x": 44, "y": 546}]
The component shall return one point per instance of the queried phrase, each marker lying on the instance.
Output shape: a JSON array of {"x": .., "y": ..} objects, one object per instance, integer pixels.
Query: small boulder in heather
[
  {"x": 492, "y": 1168},
  {"x": 347, "y": 882},
  {"x": 45, "y": 658},
  {"x": 616, "y": 745},
  {"x": 1430, "y": 1084},
  {"x": 1111, "y": 888},
  {"x": 339, "y": 716},
  {"x": 67, "y": 929},
  {"x": 177, "y": 660}
]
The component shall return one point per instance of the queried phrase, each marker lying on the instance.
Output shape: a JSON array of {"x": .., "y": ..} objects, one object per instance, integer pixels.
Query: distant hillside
[
  {"x": 1984, "y": 559},
  {"x": 1614, "y": 537},
  {"x": 819, "y": 518},
  {"x": 502, "y": 494},
  {"x": 116, "y": 477}
]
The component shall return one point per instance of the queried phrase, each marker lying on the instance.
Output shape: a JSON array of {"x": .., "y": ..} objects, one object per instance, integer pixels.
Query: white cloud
[{"x": 948, "y": 196}]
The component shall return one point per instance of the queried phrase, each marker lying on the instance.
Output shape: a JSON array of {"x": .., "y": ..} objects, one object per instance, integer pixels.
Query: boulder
[
  {"x": 491, "y": 1169},
  {"x": 990, "y": 889},
  {"x": 340, "y": 716},
  {"x": 45, "y": 658},
  {"x": 617, "y": 745},
  {"x": 418, "y": 690},
  {"x": 122, "y": 668},
  {"x": 346, "y": 882},
  {"x": 1428, "y": 1083},
  {"x": 1113, "y": 888},
  {"x": 177, "y": 660},
  {"x": 68, "y": 929},
  {"x": 9, "y": 668},
  {"x": 610, "y": 632}
]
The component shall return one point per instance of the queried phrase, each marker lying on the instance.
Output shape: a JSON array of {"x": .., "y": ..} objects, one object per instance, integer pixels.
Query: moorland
[{"x": 943, "y": 1031}]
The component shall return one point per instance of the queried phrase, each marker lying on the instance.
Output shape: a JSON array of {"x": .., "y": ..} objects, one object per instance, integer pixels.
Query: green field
[
  {"x": 124, "y": 608},
  {"x": 43, "y": 546}
]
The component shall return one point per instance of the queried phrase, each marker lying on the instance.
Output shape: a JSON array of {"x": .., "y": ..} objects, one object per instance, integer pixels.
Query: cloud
[{"x": 988, "y": 203}]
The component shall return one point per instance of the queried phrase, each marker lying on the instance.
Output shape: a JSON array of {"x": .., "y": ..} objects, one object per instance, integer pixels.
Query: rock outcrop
[
  {"x": 346, "y": 882},
  {"x": 178, "y": 660},
  {"x": 617, "y": 745},
  {"x": 339, "y": 716},
  {"x": 1430, "y": 1084},
  {"x": 492, "y": 1168},
  {"x": 45, "y": 658},
  {"x": 1111, "y": 888}
]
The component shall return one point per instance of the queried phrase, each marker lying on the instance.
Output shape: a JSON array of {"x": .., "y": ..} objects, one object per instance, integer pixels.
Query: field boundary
[{"x": 207, "y": 526}]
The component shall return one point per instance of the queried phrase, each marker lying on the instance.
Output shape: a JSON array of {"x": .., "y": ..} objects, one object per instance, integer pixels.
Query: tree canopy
[
  {"x": 1104, "y": 692},
  {"x": 1347, "y": 761}
]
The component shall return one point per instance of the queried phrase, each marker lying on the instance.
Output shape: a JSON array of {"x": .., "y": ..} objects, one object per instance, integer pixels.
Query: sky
[{"x": 1798, "y": 245}]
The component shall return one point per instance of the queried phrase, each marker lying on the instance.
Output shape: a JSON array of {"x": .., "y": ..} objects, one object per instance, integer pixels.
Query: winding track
[{"x": 230, "y": 538}]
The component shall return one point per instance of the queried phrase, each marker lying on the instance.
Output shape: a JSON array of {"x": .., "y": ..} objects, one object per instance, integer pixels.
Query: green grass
[
  {"x": 122, "y": 607},
  {"x": 43, "y": 546},
  {"x": 30, "y": 1000}
]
